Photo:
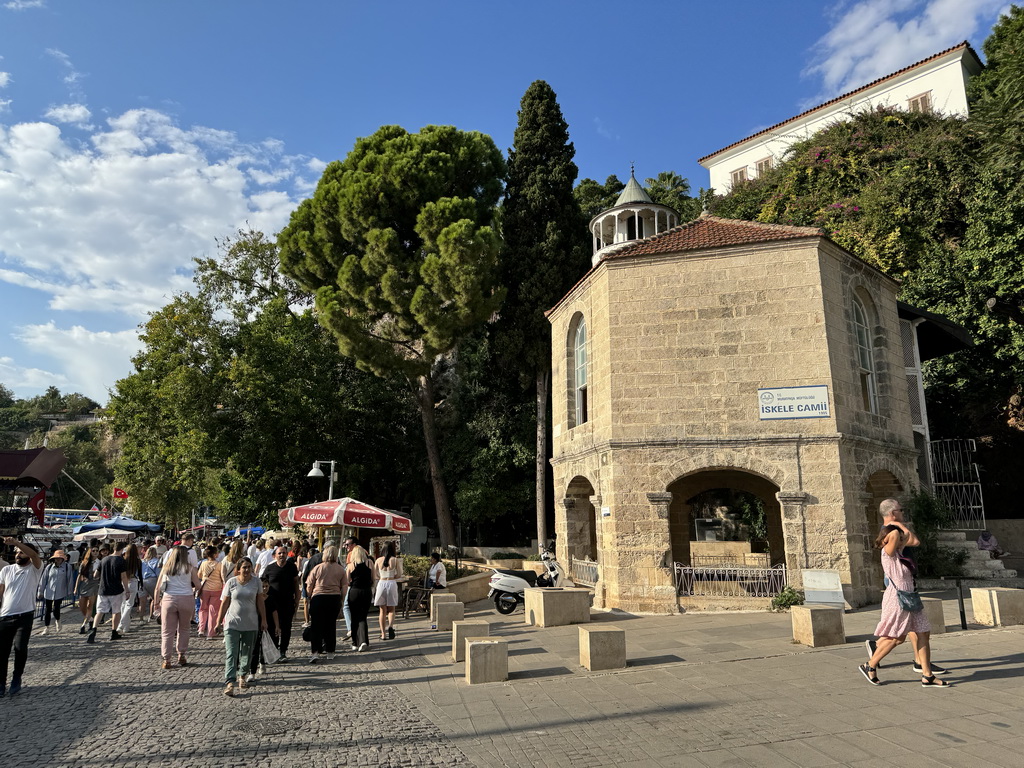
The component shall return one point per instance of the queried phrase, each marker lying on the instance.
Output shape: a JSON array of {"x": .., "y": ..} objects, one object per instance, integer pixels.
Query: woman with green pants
[{"x": 243, "y": 617}]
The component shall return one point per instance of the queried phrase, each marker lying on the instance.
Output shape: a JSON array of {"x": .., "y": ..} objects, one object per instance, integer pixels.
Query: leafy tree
[
  {"x": 545, "y": 251},
  {"x": 398, "y": 246},
  {"x": 594, "y": 198},
  {"x": 997, "y": 94},
  {"x": 671, "y": 189}
]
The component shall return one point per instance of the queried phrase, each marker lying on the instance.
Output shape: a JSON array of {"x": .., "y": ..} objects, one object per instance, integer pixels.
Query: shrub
[
  {"x": 928, "y": 515},
  {"x": 507, "y": 556},
  {"x": 786, "y": 598}
]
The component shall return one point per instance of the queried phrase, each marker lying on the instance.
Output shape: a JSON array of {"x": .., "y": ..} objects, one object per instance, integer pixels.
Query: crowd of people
[{"x": 231, "y": 590}]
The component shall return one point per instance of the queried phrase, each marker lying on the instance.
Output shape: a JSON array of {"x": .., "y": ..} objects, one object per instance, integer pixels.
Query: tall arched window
[
  {"x": 578, "y": 345},
  {"x": 865, "y": 357}
]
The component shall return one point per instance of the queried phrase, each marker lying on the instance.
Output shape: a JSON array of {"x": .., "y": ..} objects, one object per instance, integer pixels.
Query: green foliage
[
  {"x": 786, "y": 599},
  {"x": 398, "y": 245},
  {"x": 507, "y": 556},
  {"x": 671, "y": 189},
  {"x": 594, "y": 198},
  {"x": 996, "y": 95},
  {"x": 929, "y": 515}
]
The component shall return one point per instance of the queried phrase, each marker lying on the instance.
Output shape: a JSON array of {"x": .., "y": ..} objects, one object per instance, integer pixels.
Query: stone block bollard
[
  {"x": 556, "y": 606},
  {"x": 439, "y": 597},
  {"x": 817, "y": 625},
  {"x": 936, "y": 617},
  {"x": 447, "y": 612},
  {"x": 998, "y": 606},
  {"x": 602, "y": 648},
  {"x": 486, "y": 661},
  {"x": 461, "y": 630}
]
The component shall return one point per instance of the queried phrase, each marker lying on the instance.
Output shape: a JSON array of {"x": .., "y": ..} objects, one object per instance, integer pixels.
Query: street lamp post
[{"x": 317, "y": 472}]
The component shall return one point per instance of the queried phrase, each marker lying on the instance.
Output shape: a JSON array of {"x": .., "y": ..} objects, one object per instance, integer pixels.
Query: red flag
[
  {"x": 119, "y": 494},
  {"x": 38, "y": 505},
  {"x": 94, "y": 508}
]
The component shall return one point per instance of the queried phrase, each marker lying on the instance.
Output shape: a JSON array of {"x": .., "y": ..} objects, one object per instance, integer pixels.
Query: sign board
[
  {"x": 606, "y": 511},
  {"x": 823, "y": 587},
  {"x": 794, "y": 402}
]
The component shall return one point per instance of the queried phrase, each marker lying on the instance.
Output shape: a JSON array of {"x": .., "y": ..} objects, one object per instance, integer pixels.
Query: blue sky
[{"x": 134, "y": 134}]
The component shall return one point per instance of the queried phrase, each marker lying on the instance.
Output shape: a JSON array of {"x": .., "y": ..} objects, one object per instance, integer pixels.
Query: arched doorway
[
  {"x": 880, "y": 486},
  {"x": 728, "y": 515},
  {"x": 581, "y": 521}
]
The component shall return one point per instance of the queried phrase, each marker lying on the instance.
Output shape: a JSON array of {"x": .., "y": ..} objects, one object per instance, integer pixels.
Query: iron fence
[
  {"x": 726, "y": 581},
  {"x": 957, "y": 481},
  {"x": 583, "y": 571},
  {"x": 744, "y": 560}
]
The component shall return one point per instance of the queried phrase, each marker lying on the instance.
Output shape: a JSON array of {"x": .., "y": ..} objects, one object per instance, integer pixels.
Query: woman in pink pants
[
  {"x": 175, "y": 591},
  {"x": 211, "y": 576}
]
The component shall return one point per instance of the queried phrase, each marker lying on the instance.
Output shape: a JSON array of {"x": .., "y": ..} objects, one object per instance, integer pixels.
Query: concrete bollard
[
  {"x": 817, "y": 625},
  {"x": 998, "y": 606},
  {"x": 439, "y": 597},
  {"x": 936, "y": 617},
  {"x": 447, "y": 612},
  {"x": 602, "y": 648},
  {"x": 461, "y": 630},
  {"x": 556, "y": 606},
  {"x": 486, "y": 661}
]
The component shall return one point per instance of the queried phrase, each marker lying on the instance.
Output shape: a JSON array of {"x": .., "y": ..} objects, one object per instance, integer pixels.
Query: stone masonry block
[
  {"x": 817, "y": 625},
  {"x": 461, "y": 631},
  {"x": 446, "y": 613},
  {"x": 998, "y": 606},
  {"x": 933, "y": 610},
  {"x": 439, "y": 597},
  {"x": 486, "y": 661},
  {"x": 602, "y": 648},
  {"x": 555, "y": 607}
]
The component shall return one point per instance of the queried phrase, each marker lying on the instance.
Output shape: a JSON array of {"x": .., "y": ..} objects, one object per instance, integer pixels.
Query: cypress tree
[{"x": 545, "y": 252}]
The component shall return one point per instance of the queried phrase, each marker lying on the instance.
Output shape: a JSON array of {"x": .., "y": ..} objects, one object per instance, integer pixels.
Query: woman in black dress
[{"x": 361, "y": 578}]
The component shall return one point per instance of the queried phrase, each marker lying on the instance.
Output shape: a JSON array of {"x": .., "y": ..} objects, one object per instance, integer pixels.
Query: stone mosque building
[{"x": 722, "y": 354}]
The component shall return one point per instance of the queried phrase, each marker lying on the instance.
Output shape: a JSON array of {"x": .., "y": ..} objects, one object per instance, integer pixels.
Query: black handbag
[{"x": 910, "y": 601}]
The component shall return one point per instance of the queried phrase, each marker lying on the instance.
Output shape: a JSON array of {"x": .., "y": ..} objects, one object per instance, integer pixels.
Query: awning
[
  {"x": 103, "y": 533},
  {"x": 256, "y": 530},
  {"x": 335, "y": 512},
  {"x": 38, "y": 467},
  {"x": 936, "y": 335},
  {"x": 122, "y": 524}
]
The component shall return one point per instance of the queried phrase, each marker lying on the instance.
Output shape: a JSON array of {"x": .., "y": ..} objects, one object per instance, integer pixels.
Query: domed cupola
[{"x": 633, "y": 217}]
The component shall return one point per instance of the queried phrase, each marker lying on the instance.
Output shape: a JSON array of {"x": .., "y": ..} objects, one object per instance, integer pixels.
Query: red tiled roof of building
[
  {"x": 711, "y": 232},
  {"x": 964, "y": 45}
]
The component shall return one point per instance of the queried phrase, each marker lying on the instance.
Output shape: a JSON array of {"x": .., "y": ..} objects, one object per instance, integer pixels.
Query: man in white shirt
[
  {"x": 19, "y": 584},
  {"x": 161, "y": 546},
  {"x": 255, "y": 550},
  {"x": 266, "y": 557}
]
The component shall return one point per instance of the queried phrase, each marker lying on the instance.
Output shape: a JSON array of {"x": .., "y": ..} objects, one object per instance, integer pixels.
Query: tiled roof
[
  {"x": 711, "y": 232},
  {"x": 964, "y": 45}
]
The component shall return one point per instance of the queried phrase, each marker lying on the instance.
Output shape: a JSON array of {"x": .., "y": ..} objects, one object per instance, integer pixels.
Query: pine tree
[{"x": 545, "y": 252}]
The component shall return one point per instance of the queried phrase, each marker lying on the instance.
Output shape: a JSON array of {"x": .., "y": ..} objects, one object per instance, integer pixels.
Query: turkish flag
[
  {"x": 38, "y": 505},
  {"x": 119, "y": 494}
]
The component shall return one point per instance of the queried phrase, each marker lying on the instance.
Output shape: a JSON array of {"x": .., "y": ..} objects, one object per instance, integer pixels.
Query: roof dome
[
  {"x": 633, "y": 192},
  {"x": 633, "y": 217}
]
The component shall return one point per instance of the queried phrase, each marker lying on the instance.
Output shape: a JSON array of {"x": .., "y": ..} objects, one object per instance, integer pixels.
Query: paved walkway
[{"x": 700, "y": 690}]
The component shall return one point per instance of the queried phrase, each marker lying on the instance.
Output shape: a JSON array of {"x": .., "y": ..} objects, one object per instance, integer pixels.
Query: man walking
[
  {"x": 113, "y": 590},
  {"x": 19, "y": 583}
]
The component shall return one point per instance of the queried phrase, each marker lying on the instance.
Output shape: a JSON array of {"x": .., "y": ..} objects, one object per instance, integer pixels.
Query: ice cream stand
[{"x": 349, "y": 517}]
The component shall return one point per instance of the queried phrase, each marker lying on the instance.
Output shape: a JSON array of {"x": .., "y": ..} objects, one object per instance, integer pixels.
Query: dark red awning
[{"x": 35, "y": 468}]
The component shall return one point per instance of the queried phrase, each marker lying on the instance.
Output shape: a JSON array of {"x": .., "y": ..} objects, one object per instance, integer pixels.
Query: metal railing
[
  {"x": 583, "y": 571},
  {"x": 957, "y": 482},
  {"x": 744, "y": 560},
  {"x": 725, "y": 581}
]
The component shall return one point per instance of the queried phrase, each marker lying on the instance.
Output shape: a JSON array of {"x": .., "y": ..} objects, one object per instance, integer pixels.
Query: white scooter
[{"x": 508, "y": 587}]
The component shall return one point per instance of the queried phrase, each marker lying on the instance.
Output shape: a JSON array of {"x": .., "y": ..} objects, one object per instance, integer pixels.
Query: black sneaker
[
  {"x": 936, "y": 669},
  {"x": 15, "y": 687},
  {"x": 115, "y": 635},
  {"x": 92, "y": 637},
  {"x": 391, "y": 633}
]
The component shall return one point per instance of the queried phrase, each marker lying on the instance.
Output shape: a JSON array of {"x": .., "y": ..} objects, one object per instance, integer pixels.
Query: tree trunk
[
  {"x": 543, "y": 378},
  {"x": 425, "y": 399}
]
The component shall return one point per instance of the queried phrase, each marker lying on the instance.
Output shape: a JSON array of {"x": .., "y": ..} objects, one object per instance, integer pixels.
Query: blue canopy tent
[
  {"x": 255, "y": 530},
  {"x": 121, "y": 524}
]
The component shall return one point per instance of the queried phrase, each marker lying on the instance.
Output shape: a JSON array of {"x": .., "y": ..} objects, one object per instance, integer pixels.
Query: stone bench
[
  {"x": 439, "y": 597},
  {"x": 602, "y": 648},
  {"x": 998, "y": 606},
  {"x": 446, "y": 613},
  {"x": 557, "y": 606},
  {"x": 936, "y": 617},
  {"x": 463, "y": 630},
  {"x": 817, "y": 625},
  {"x": 486, "y": 661}
]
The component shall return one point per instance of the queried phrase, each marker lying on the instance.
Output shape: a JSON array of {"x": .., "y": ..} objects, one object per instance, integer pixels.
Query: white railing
[
  {"x": 727, "y": 581},
  {"x": 583, "y": 571}
]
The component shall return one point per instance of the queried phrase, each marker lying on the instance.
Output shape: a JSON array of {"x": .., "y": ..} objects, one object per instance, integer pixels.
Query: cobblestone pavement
[{"x": 700, "y": 690}]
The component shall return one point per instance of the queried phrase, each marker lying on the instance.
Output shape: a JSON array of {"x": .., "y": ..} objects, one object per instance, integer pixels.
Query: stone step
[{"x": 981, "y": 573}]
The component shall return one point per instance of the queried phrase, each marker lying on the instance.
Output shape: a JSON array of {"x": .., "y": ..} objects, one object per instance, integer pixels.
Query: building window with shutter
[
  {"x": 763, "y": 166},
  {"x": 865, "y": 357},
  {"x": 578, "y": 408},
  {"x": 739, "y": 176},
  {"x": 920, "y": 103}
]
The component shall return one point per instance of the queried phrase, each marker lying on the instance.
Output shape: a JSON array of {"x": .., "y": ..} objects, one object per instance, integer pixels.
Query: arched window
[
  {"x": 865, "y": 357},
  {"x": 578, "y": 390}
]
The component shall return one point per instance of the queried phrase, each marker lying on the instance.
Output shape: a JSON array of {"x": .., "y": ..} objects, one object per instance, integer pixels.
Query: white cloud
[
  {"x": 873, "y": 38},
  {"x": 23, "y": 5},
  {"x": 602, "y": 130},
  {"x": 76, "y": 114},
  {"x": 5, "y": 79},
  {"x": 91, "y": 360},
  {"x": 26, "y": 382}
]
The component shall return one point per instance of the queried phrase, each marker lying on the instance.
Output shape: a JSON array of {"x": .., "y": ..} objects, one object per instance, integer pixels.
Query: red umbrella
[{"x": 345, "y": 511}]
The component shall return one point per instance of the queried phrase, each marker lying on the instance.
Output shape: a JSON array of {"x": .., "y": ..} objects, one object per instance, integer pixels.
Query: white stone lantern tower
[{"x": 633, "y": 217}]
